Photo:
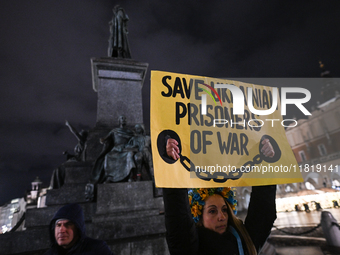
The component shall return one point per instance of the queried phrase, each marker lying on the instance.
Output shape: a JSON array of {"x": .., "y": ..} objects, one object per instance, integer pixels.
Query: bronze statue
[
  {"x": 58, "y": 175},
  {"x": 80, "y": 148},
  {"x": 122, "y": 159},
  {"x": 116, "y": 160},
  {"x": 118, "y": 41},
  {"x": 143, "y": 156}
]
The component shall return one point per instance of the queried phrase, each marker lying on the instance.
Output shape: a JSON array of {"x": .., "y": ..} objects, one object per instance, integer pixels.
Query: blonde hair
[{"x": 238, "y": 225}]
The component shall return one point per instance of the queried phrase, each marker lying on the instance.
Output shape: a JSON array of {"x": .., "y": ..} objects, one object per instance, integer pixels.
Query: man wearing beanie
[{"x": 67, "y": 234}]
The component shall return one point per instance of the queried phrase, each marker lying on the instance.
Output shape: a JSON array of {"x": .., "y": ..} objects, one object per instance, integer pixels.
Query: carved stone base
[{"x": 118, "y": 83}]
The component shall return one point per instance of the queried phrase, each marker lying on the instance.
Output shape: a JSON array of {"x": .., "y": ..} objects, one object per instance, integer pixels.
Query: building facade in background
[
  {"x": 316, "y": 141},
  {"x": 316, "y": 145},
  {"x": 12, "y": 214}
]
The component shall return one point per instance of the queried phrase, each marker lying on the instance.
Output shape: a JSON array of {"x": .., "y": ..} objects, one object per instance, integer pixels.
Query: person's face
[
  {"x": 65, "y": 233},
  {"x": 138, "y": 129},
  {"x": 215, "y": 214},
  {"x": 122, "y": 120}
]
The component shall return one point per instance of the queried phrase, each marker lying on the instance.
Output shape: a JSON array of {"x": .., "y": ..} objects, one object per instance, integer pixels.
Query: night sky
[{"x": 46, "y": 46}]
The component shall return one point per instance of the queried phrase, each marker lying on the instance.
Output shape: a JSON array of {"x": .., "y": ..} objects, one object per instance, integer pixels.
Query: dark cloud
[{"x": 46, "y": 47}]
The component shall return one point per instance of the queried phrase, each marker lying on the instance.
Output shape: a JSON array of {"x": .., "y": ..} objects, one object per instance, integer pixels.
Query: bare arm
[{"x": 73, "y": 130}]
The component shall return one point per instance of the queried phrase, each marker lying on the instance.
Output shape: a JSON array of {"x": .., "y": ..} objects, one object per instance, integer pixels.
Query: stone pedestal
[
  {"x": 118, "y": 83},
  {"x": 128, "y": 210},
  {"x": 77, "y": 174},
  {"x": 124, "y": 196}
]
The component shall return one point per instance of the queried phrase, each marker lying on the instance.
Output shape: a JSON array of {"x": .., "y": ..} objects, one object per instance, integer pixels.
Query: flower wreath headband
[{"x": 197, "y": 199}]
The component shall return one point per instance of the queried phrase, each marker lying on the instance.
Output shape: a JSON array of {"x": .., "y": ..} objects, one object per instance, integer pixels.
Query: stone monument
[
  {"x": 118, "y": 41},
  {"x": 118, "y": 83},
  {"x": 127, "y": 215}
]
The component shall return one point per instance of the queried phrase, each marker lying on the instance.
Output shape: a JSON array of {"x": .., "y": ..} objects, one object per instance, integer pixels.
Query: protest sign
[{"x": 218, "y": 147}]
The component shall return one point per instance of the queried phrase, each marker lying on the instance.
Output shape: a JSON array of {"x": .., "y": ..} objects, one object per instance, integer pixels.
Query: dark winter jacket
[
  {"x": 85, "y": 245},
  {"x": 183, "y": 237}
]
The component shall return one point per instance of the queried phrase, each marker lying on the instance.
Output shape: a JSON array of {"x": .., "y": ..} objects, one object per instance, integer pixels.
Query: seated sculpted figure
[
  {"x": 122, "y": 157},
  {"x": 116, "y": 161},
  {"x": 143, "y": 156}
]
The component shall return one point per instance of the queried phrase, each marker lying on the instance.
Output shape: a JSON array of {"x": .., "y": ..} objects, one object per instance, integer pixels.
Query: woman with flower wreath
[{"x": 206, "y": 222}]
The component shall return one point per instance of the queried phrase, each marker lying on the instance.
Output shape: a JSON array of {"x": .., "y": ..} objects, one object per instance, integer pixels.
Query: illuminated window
[
  {"x": 288, "y": 189},
  {"x": 335, "y": 183},
  {"x": 322, "y": 149},
  {"x": 309, "y": 186},
  {"x": 302, "y": 155}
]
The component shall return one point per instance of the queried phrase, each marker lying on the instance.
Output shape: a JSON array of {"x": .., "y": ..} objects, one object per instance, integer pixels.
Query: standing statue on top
[{"x": 118, "y": 41}]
